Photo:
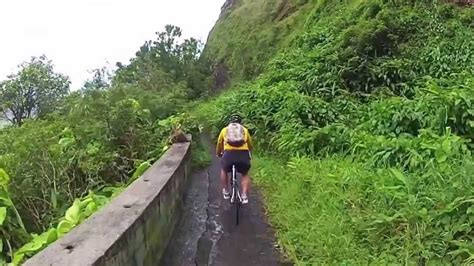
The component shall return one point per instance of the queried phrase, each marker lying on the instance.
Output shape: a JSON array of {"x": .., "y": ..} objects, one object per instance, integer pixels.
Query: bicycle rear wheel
[
  {"x": 237, "y": 207},
  {"x": 237, "y": 195}
]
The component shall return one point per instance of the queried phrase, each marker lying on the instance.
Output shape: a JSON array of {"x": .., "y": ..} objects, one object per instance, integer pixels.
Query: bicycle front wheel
[{"x": 237, "y": 195}]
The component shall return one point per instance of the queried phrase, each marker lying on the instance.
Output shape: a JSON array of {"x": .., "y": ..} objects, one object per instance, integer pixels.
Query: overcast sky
[{"x": 80, "y": 35}]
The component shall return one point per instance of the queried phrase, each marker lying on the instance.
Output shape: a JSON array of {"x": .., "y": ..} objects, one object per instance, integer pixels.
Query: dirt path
[{"x": 207, "y": 234}]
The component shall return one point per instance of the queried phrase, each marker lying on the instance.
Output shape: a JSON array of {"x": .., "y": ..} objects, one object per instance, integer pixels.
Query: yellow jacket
[{"x": 222, "y": 144}]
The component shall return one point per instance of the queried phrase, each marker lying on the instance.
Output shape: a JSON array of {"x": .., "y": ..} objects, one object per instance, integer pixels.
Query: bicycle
[{"x": 235, "y": 198}]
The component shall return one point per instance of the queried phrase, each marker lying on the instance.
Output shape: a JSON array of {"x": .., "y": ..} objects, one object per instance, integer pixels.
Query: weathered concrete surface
[
  {"x": 135, "y": 227},
  {"x": 184, "y": 243},
  {"x": 214, "y": 239}
]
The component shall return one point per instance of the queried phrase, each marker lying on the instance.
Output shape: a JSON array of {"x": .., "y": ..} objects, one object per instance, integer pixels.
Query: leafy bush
[
  {"x": 371, "y": 106},
  {"x": 70, "y": 161},
  {"x": 11, "y": 224},
  {"x": 78, "y": 212}
]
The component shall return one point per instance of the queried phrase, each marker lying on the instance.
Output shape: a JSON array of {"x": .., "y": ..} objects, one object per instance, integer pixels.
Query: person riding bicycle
[{"x": 234, "y": 146}]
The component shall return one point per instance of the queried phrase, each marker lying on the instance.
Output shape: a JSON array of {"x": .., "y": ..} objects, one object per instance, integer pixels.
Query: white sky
[{"x": 80, "y": 35}]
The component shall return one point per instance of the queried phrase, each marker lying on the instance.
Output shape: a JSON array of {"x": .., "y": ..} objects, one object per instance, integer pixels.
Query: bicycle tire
[
  {"x": 237, "y": 207},
  {"x": 237, "y": 197}
]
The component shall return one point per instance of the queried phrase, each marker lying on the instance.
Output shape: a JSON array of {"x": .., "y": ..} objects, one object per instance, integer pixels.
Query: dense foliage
[
  {"x": 363, "y": 111},
  {"x": 70, "y": 158},
  {"x": 167, "y": 65},
  {"x": 34, "y": 91},
  {"x": 246, "y": 45},
  {"x": 371, "y": 108}
]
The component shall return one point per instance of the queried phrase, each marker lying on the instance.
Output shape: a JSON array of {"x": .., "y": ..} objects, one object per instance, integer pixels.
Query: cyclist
[{"x": 234, "y": 146}]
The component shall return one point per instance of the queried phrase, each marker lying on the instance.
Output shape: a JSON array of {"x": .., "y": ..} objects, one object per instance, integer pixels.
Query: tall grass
[{"x": 339, "y": 210}]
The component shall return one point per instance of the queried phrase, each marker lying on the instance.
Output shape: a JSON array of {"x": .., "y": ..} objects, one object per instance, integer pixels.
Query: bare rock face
[
  {"x": 462, "y": 2},
  {"x": 221, "y": 75},
  {"x": 227, "y": 7}
]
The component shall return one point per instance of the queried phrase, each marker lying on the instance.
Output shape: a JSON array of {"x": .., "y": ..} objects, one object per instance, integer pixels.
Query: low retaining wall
[{"x": 135, "y": 227}]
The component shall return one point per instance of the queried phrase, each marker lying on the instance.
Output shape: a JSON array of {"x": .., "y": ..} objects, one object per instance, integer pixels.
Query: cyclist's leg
[
  {"x": 225, "y": 168},
  {"x": 224, "y": 179},
  {"x": 243, "y": 168},
  {"x": 245, "y": 183}
]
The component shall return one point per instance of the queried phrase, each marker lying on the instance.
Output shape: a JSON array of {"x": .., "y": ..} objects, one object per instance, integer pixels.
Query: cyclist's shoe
[
  {"x": 245, "y": 200},
  {"x": 225, "y": 193}
]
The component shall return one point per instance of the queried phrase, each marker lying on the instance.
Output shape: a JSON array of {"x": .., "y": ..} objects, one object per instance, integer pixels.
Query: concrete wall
[{"x": 135, "y": 227}]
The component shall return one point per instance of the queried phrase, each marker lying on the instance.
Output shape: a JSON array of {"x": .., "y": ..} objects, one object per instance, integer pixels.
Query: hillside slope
[
  {"x": 364, "y": 115},
  {"x": 249, "y": 33}
]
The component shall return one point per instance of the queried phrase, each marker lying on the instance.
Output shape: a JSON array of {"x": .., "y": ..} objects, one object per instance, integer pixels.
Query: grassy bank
[
  {"x": 366, "y": 122},
  {"x": 340, "y": 210}
]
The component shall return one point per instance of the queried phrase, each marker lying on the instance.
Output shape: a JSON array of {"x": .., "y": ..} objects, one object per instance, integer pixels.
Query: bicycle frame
[{"x": 235, "y": 198}]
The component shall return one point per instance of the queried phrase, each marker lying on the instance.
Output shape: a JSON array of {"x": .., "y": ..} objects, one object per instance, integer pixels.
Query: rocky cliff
[{"x": 249, "y": 32}]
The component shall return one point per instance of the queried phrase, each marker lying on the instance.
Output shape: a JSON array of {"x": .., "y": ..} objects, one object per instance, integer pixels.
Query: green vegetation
[
  {"x": 68, "y": 153},
  {"x": 33, "y": 92},
  {"x": 366, "y": 123},
  {"x": 74, "y": 215},
  {"x": 362, "y": 113},
  {"x": 201, "y": 157},
  {"x": 253, "y": 31}
]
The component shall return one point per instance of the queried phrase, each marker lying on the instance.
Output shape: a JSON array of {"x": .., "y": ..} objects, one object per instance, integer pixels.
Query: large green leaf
[
  {"x": 90, "y": 209},
  {"x": 64, "y": 227},
  {"x": 446, "y": 145},
  {"x": 4, "y": 197},
  {"x": 72, "y": 214},
  {"x": 64, "y": 143},
  {"x": 51, "y": 236},
  {"x": 4, "y": 178},
  {"x": 36, "y": 244},
  {"x": 3, "y": 215},
  {"x": 17, "y": 258},
  {"x": 440, "y": 156},
  {"x": 399, "y": 175},
  {"x": 54, "y": 199},
  {"x": 140, "y": 170}
]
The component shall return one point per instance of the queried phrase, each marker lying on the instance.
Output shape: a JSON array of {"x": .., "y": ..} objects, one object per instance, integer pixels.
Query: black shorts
[{"x": 241, "y": 160}]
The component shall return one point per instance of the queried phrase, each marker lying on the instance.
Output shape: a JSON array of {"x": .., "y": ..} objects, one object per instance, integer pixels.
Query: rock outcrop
[{"x": 227, "y": 7}]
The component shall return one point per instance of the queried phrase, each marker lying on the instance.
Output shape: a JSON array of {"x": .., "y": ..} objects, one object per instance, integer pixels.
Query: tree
[
  {"x": 33, "y": 92},
  {"x": 100, "y": 79},
  {"x": 168, "y": 54}
]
